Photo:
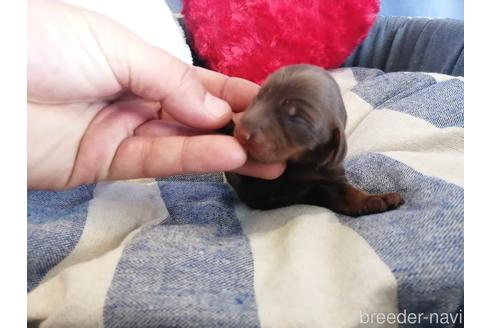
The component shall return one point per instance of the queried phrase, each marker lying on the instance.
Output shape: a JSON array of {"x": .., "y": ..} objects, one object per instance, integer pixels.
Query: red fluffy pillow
[{"x": 253, "y": 38}]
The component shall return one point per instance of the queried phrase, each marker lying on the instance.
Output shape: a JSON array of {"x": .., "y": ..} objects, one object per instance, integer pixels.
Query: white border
[
  {"x": 13, "y": 239},
  {"x": 478, "y": 145}
]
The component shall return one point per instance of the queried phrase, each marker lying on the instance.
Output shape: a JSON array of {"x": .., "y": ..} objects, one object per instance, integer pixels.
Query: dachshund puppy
[{"x": 298, "y": 116}]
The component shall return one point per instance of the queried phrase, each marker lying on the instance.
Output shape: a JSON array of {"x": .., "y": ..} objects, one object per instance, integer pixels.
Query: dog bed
[{"x": 185, "y": 252}]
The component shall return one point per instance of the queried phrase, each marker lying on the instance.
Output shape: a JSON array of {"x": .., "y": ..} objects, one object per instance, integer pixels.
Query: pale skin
[{"x": 105, "y": 105}]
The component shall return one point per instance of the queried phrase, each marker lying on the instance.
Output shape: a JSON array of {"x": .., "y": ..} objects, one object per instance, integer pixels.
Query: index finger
[{"x": 236, "y": 91}]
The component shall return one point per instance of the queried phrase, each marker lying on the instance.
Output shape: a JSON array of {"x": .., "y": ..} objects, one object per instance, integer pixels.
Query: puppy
[{"x": 298, "y": 116}]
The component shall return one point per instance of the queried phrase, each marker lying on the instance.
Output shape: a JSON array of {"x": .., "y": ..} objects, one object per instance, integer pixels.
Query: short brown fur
[{"x": 299, "y": 116}]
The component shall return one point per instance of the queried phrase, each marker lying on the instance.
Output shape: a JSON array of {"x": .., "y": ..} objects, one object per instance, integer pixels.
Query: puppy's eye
[
  {"x": 297, "y": 119},
  {"x": 295, "y": 115}
]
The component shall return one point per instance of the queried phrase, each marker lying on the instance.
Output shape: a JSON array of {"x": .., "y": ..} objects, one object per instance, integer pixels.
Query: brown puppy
[{"x": 299, "y": 116}]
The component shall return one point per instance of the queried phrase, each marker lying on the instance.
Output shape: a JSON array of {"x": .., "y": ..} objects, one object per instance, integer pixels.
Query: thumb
[
  {"x": 189, "y": 102},
  {"x": 156, "y": 75}
]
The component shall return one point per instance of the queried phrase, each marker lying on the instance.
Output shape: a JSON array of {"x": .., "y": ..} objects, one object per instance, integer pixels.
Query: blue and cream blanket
[{"x": 184, "y": 252}]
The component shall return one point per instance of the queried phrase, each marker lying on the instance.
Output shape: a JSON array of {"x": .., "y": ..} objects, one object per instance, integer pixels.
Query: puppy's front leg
[{"x": 346, "y": 199}]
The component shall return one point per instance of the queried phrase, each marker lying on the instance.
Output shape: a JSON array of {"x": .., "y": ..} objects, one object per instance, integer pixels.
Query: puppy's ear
[
  {"x": 336, "y": 148},
  {"x": 339, "y": 144}
]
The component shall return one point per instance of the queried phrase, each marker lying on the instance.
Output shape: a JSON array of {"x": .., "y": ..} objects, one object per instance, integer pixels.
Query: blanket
[{"x": 185, "y": 252}]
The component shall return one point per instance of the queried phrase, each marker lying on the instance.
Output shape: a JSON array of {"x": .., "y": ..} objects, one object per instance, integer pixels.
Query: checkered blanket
[{"x": 184, "y": 252}]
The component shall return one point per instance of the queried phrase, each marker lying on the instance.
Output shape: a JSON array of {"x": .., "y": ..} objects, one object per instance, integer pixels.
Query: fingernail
[{"x": 216, "y": 106}]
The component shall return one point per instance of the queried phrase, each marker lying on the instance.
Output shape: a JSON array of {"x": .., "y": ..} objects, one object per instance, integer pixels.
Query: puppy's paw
[{"x": 381, "y": 203}]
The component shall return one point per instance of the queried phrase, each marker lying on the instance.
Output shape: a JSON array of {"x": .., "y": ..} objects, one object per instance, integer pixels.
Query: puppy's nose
[{"x": 242, "y": 134}]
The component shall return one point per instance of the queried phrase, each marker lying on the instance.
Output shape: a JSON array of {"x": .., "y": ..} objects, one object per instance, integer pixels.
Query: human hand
[{"x": 105, "y": 105}]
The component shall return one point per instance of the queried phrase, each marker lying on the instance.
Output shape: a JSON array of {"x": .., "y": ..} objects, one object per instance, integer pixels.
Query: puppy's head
[{"x": 298, "y": 111}]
